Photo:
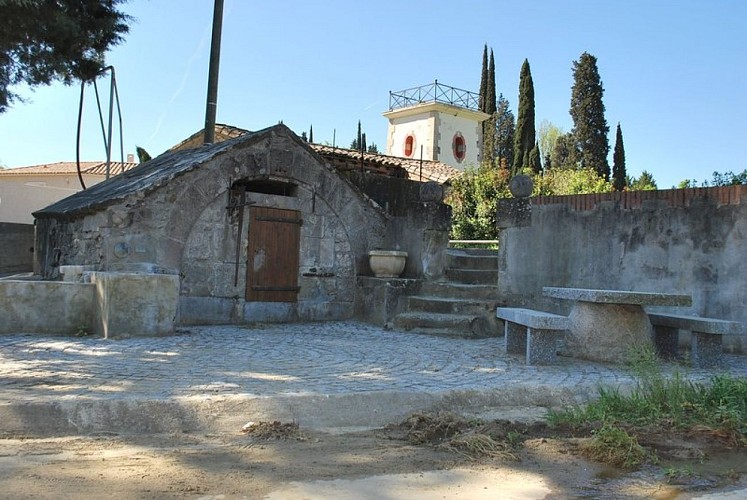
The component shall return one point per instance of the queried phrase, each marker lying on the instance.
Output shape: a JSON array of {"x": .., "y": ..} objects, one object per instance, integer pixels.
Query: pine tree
[
  {"x": 64, "y": 40},
  {"x": 619, "y": 176},
  {"x": 304, "y": 137},
  {"x": 504, "y": 134},
  {"x": 483, "y": 80},
  {"x": 311, "y": 133},
  {"x": 524, "y": 138},
  {"x": 587, "y": 110}
]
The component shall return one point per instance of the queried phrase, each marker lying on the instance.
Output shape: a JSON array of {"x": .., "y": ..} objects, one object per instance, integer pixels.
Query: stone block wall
[{"x": 16, "y": 248}]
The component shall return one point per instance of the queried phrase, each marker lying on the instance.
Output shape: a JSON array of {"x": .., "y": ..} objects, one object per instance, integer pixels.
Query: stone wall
[
  {"x": 16, "y": 248},
  {"x": 51, "y": 307},
  {"x": 680, "y": 241}
]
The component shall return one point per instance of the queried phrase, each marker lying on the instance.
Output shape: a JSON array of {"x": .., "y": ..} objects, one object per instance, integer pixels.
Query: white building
[{"x": 435, "y": 122}]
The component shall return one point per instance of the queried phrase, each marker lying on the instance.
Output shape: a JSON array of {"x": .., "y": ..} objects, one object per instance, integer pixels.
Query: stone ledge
[{"x": 533, "y": 319}]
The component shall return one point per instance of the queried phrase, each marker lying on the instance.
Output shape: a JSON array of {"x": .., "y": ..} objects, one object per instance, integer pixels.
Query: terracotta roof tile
[{"x": 70, "y": 167}]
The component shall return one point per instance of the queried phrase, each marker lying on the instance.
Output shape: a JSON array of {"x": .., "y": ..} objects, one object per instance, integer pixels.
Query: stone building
[{"x": 259, "y": 227}]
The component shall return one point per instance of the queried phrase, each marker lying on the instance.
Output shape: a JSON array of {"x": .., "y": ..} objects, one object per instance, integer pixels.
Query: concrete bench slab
[
  {"x": 532, "y": 318},
  {"x": 705, "y": 341},
  {"x": 532, "y": 333},
  {"x": 703, "y": 325}
]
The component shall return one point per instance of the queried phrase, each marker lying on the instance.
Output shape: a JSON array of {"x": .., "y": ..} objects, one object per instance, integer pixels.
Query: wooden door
[{"x": 274, "y": 247}]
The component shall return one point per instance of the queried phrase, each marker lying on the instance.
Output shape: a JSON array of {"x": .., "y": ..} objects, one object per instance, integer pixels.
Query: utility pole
[{"x": 212, "y": 91}]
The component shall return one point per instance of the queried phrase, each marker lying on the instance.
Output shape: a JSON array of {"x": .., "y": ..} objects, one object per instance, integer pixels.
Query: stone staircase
[{"x": 460, "y": 305}]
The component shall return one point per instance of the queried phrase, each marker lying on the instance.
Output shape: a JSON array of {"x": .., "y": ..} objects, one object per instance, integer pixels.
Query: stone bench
[
  {"x": 705, "y": 342},
  {"x": 532, "y": 333}
]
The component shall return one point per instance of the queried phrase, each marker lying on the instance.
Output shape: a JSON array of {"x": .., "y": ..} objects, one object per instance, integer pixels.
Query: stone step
[
  {"x": 455, "y": 325},
  {"x": 447, "y": 289},
  {"x": 460, "y": 259},
  {"x": 446, "y": 305},
  {"x": 472, "y": 276}
]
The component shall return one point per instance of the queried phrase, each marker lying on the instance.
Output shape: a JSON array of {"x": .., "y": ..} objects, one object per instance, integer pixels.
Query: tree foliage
[
  {"x": 645, "y": 182},
  {"x": 473, "y": 197},
  {"x": 564, "y": 153},
  {"x": 46, "y": 41},
  {"x": 524, "y": 138},
  {"x": 487, "y": 104},
  {"x": 142, "y": 154},
  {"x": 504, "y": 134},
  {"x": 563, "y": 181},
  {"x": 548, "y": 136},
  {"x": 728, "y": 178},
  {"x": 619, "y": 176},
  {"x": 590, "y": 127},
  {"x": 483, "y": 80}
]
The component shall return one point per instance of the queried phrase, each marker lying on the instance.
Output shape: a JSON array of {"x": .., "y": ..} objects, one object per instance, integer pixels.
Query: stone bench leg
[
  {"x": 541, "y": 348},
  {"x": 705, "y": 350},
  {"x": 666, "y": 341},
  {"x": 516, "y": 338}
]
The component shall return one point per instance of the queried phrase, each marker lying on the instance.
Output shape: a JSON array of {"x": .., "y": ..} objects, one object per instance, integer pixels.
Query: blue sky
[{"x": 674, "y": 73}]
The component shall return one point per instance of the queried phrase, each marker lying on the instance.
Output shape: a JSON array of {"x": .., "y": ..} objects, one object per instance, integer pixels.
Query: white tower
[{"x": 440, "y": 121}]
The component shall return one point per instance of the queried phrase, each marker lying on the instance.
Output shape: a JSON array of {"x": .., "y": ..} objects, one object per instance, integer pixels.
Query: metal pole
[
  {"x": 109, "y": 134},
  {"x": 212, "y": 93},
  {"x": 421, "y": 163}
]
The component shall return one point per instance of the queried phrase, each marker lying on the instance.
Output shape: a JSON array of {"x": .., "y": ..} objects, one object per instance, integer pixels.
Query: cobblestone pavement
[{"x": 290, "y": 359}]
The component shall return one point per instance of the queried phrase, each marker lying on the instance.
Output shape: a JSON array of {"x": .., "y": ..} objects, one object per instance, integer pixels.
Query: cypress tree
[
  {"x": 483, "y": 80},
  {"x": 363, "y": 143},
  {"x": 535, "y": 163},
  {"x": 524, "y": 138},
  {"x": 490, "y": 104},
  {"x": 360, "y": 137},
  {"x": 619, "y": 176},
  {"x": 587, "y": 110},
  {"x": 311, "y": 133}
]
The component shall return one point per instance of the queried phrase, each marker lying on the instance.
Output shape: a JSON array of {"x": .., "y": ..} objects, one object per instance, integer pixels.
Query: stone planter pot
[{"x": 387, "y": 263}]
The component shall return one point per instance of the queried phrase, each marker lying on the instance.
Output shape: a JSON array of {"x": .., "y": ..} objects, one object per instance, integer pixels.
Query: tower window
[
  {"x": 459, "y": 147},
  {"x": 409, "y": 145}
]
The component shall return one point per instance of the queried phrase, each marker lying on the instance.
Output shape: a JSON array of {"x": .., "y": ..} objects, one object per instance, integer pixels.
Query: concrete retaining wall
[
  {"x": 680, "y": 241},
  {"x": 55, "y": 307},
  {"x": 16, "y": 248}
]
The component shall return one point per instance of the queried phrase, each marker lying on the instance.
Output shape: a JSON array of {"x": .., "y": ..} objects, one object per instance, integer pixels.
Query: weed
[{"x": 614, "y": 446}]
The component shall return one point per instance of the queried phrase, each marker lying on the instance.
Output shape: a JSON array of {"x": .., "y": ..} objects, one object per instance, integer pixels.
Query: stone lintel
[{"x": 618, "y": 296}]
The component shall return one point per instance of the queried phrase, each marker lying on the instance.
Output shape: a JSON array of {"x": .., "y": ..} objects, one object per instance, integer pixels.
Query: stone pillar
[{"x": 135, "y": 304}]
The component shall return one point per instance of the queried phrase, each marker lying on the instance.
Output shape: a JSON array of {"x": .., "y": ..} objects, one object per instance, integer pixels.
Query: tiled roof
[
  {"x": 70, "y": 167},
  {"x": 431, "y": 170},
  {"x": 347, "y": 159}
]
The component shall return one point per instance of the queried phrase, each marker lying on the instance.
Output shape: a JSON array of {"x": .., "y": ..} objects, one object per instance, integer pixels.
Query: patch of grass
[
  {"x": 614, "y": 446},
  {"x": 717, "y": 409},
  {"x": 676, "y": 474}
]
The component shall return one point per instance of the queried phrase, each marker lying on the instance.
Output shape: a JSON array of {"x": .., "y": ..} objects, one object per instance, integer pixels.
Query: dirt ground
[{"x": 377, "y": 464}]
